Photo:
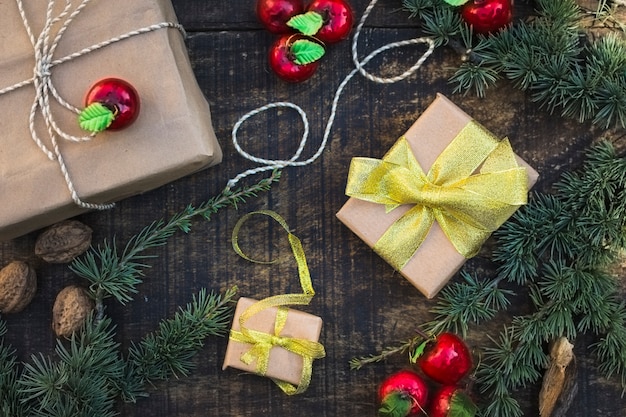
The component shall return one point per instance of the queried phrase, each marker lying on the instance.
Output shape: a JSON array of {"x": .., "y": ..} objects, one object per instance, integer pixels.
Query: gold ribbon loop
[
  {"x": 262, "y": 343},
  {"x": 467, "y": 205}
]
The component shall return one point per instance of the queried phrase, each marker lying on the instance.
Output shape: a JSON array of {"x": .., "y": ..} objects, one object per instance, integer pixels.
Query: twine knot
[{"x": 43, "y": 68}]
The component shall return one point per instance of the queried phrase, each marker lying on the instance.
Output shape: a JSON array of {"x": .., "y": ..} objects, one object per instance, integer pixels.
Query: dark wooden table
[{"x": 365, "y": 305}]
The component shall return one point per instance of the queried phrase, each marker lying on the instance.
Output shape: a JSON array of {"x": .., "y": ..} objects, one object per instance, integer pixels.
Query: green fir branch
[
  {"x": 554, "y": 56},
  {"x": 403, "y": 347},
  {"x": 114, "y": 274},
  {"x": 154, "y": 359},
  {"x": 473, "y": 300},
  {"x": 90, "y": 373}
]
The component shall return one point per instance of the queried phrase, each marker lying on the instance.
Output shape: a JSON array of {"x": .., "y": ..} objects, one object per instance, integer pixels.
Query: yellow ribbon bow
[
  {"x": 262, "y": 343},
  {"x": 468, "y": 206}
]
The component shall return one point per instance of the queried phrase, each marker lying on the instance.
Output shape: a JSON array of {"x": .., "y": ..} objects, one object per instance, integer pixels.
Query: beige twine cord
[
  {"x": 44, "y": 46},
  {"x": 271, "y": 164}
]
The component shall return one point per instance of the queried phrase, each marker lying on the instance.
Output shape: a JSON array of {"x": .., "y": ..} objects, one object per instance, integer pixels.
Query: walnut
[
  {"x": 18, "y": 284},
  {"x": 63, "y": 242},
  {"x": 70, "y": 310}
]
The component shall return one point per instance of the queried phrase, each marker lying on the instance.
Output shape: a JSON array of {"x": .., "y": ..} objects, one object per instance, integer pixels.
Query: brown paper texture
[
  {"x": 283, "y": 365},
  {"x": 436, "y": 261},
  {"x": 172, "y": 137}
]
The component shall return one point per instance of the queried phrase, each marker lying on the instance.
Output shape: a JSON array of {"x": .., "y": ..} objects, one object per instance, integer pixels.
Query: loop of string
[
  {"x": 45, "y": 45},
  {"x": 272, "y": 164}
]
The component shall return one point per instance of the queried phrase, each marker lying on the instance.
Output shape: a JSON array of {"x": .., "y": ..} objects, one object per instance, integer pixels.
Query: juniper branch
[{"x": 114, "y": 274}]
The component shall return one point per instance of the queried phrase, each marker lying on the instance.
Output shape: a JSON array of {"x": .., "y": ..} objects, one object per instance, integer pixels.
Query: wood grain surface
[{"x": 364, "y": 304}]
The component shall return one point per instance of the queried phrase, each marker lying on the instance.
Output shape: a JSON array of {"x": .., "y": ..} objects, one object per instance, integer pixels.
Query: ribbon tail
[
  {"x": 305, "y": 379},
  {"x": 466, "y": 238},
  {"x": 398, "y": 244}
]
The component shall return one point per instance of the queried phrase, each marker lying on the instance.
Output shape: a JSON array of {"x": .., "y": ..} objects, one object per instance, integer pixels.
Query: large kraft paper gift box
[
  {"x": 436, "y": 259},
  {"x": 172, "y": 137},
  {"x": 283, "y": 365}
]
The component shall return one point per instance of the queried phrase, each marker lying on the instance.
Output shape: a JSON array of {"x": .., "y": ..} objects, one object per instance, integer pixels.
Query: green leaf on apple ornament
[
  {"x": 456, "y": 2},
  {"x": 462, "y": 406},
  {"x": 419, "y": 351},
  {"x": 306, "y": 51},
  {"x": 95, "y": 118},
  {"x": 308, "y": 23}
]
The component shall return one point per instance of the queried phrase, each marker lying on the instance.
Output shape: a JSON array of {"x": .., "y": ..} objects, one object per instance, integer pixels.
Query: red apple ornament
[
  {"x": 337, "y": 19},
  {"x": 110, "y": 103},
  {"x": 274, "y": 14},
  {"x": 451, "y": 401},
  {"x": 295, "y": 57},
  {"x": 446, "y": 360},
  {"x": 402, "y": 394},
  {"x": 487, "y": 16}
]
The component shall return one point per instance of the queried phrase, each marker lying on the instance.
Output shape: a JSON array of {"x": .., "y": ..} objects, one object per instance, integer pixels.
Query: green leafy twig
[
  {"x": 553, "y": 56},
  {"x": 117, "y": 275},
  {"x": 406, "y": 346},
  {"x": 90, "y": 374}
]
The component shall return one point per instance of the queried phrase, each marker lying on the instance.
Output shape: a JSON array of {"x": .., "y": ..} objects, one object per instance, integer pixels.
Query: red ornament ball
[
  {"x": 446, "y": 360},
  {"x": 274, "y": 14},
  {"x": 337, "y": 16},
  {"x": 487, "y": 16},
  {"x": 118, "y": 96},
  {"x": 282, "y": 60}
]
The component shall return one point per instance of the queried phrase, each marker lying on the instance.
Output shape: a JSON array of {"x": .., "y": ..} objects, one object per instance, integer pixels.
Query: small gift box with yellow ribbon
[
  {"x": 275, "y": 335},
  {"x": 436, "y": 196},
  {"x": 52, "y": 52},
  {"x": 269, "y": 338}
]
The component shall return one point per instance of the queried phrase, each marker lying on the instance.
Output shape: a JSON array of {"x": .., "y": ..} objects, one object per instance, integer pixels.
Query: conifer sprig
[
  {"x": 553, "y": 56},
  {"x": 90, "y": 373},
  {"x": 115, "y": 274}
]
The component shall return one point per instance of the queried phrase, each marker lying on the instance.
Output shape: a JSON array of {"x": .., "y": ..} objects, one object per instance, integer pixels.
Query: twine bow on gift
[
  {"x": 468, "y": 206},
  {"x": 44, "y": 45},
  {"x": 262, "y": 343}
]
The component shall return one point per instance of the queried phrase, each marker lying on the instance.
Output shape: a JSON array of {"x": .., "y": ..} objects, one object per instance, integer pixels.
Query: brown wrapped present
[
  {"x": 446, "y": 170},
  {"x": 283, "y": 365},
  {"x": 171, "y": 138}
]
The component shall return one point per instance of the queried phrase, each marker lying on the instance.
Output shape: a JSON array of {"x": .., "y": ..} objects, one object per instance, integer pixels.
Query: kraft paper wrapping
[
  {"x": 283, "y": 365},
  {"x": 436, "y": 260},
  {"x": 172, "y": 137}
]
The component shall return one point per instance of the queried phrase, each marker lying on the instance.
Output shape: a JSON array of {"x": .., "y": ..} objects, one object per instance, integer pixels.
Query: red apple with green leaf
[
  {"x": 451, "y": 401},
  {"x": 445, "y": 359},
  {"x": 111, "y": 103},
  {"x": 295, "y": 57},
  {"x": 330, "y": 21},
  {"x": 402, "y": 394}
]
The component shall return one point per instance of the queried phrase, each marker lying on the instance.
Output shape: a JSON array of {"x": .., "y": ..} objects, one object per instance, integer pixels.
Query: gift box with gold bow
[
  {"x": 436, "y": 196},
  {"x": 52, "y": 52},
  {"x": 274, "y": 343}
]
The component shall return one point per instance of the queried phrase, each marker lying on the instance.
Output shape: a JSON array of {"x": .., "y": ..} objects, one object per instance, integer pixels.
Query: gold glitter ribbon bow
[
  {"x": 262, "y": 343},
  {"x": 467, "y": 205}
]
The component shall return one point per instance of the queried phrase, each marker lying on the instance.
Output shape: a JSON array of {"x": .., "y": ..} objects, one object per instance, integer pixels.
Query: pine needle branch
[
  {"x": 90, "y": 373},
  {"x": 167, "y": 352},
  {"x": 114, "y": 274},
  {"x": 556, "y": 56},
  {"x": 406, "y": 346}
]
